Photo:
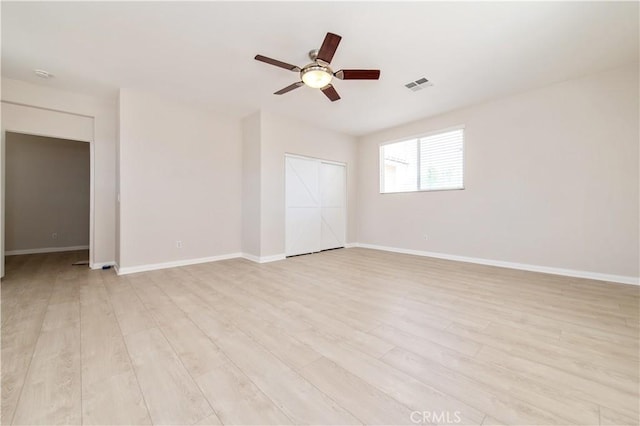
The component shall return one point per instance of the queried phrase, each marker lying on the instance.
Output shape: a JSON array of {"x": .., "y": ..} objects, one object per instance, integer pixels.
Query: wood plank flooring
[{"x": 350, "y": 336}]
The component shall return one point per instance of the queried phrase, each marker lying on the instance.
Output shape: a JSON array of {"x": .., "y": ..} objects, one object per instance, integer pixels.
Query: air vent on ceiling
[{"x": 418, "y": 84}]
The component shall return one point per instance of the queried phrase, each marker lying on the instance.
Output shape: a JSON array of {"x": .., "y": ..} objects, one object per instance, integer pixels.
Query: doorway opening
[
  {"x": 316, "y": 205},
  {"x": 47, "y": 197}
]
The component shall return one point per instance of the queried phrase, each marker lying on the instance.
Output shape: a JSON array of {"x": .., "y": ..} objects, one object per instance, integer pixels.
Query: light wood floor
[{"x": 342, "y": 337}]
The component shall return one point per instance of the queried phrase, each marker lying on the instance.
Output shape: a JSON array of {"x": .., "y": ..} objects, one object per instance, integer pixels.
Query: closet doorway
[{"x": 315, "y": 205}]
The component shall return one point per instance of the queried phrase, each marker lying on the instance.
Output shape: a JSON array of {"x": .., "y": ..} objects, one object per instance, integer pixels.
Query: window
[{"x": 428, "y": 163}]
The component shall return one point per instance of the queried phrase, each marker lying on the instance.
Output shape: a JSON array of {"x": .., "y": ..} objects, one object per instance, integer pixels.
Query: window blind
[
  {"x": 430, "y": 163},
  {"x": 441, "y": 161}
]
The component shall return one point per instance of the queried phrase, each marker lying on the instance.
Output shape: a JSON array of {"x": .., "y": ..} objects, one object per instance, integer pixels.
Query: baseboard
[
  {"x": 251, "y": 257},
  {"x": 154, "y": 266},
  {"x": 44, "y": 250},
  {"x": 511, "y": 265},
  {"x": 266, "y": 259},
  {"x": 101, "y": 265},
  {"x": 263, "y": 259}
]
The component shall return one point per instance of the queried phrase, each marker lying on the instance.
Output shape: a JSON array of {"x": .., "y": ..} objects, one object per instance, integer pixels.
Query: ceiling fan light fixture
[{"x": 316, "y": 76}]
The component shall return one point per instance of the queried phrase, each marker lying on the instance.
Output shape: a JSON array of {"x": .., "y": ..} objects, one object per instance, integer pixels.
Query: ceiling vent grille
[{"x": 419, "y": 84}]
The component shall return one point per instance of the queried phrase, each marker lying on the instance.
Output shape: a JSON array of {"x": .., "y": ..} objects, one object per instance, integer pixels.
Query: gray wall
[{"x": 47, "y": 191}]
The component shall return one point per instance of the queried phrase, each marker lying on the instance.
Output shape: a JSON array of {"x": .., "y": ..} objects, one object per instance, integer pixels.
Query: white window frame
[{"x": 423, "y": 135}]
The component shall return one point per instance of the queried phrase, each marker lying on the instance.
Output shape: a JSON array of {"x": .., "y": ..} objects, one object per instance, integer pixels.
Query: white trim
[
  {"x": 511, "y": 265},
  {"x": 92, "y": 181},
  {"x": 101, "y": 265},
  {"x": 174, "y": 264},
  {"x": 4, "y": 101},
  {"x": 350, "y": 245},
  {"x": 44, "y": 250},
  {"x": 155, "y": 266},
  {"x": 424, "y": 135},
  {"x": 92, "y": 193},
  {"x": 263, "y": 259},
  {"x": 251, "y": 257},
  {"x": 322, "y": 160}
]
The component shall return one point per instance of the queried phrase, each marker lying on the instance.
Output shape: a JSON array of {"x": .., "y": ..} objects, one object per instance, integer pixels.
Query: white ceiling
[{"x": 202, "y": 52}]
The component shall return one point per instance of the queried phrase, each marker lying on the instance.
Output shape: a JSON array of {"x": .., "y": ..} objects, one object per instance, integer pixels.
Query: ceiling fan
[{"x": 318, "y": 74}]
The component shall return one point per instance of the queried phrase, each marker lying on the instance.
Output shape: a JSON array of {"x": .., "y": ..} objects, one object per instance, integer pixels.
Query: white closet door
[
  {"x": 302, "y": 230},
  {"x": 333, "y": 194}
]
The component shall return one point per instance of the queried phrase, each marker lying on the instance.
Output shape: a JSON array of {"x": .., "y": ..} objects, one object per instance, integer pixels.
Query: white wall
[
  {"x": 47, "y": 192},
  {"x": 551, "y": 179},
  {"x": 281, "y": 135},
  {"x": 251, "y": 151},
  {"x": 23, "y": 101},
  {"x": 117, "y": 227},
  {"x": 180, "y": 179}
]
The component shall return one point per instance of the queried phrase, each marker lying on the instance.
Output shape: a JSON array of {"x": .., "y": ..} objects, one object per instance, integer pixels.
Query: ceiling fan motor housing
[{"x": 316, "y": 75}]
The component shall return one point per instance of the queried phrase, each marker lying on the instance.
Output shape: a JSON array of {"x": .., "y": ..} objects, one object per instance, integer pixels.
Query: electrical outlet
[
  {"x": 54, "y": 236},
  {"x": 179, "y": 244},
  {"x": 426, "y": 237}
]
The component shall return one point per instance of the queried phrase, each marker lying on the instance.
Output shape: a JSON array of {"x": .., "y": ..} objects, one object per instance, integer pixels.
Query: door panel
[
  {"x": 302, "y": 228},
  {"x": 302, "y": 183},
  {"x": 332, "y": 185},
  {"x": 333, "y": 228},
  {"x": 303, "y": 231},
  {"x": 334, "y": 206}
]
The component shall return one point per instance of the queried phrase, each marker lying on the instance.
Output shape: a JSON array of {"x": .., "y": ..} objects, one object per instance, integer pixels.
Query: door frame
[
  {"x": 17, "y": 129},
  {"x": 346, "y": 187}
]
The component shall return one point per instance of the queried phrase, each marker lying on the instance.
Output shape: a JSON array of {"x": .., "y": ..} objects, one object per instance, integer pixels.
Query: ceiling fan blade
[
  {"x": 289, "y": 88},
  {"x": 330, "y": 92},
  {"x": 328, "y": 48},
  {"x": 277, "y": 63},
  {"x": 358, "y": 74}
]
